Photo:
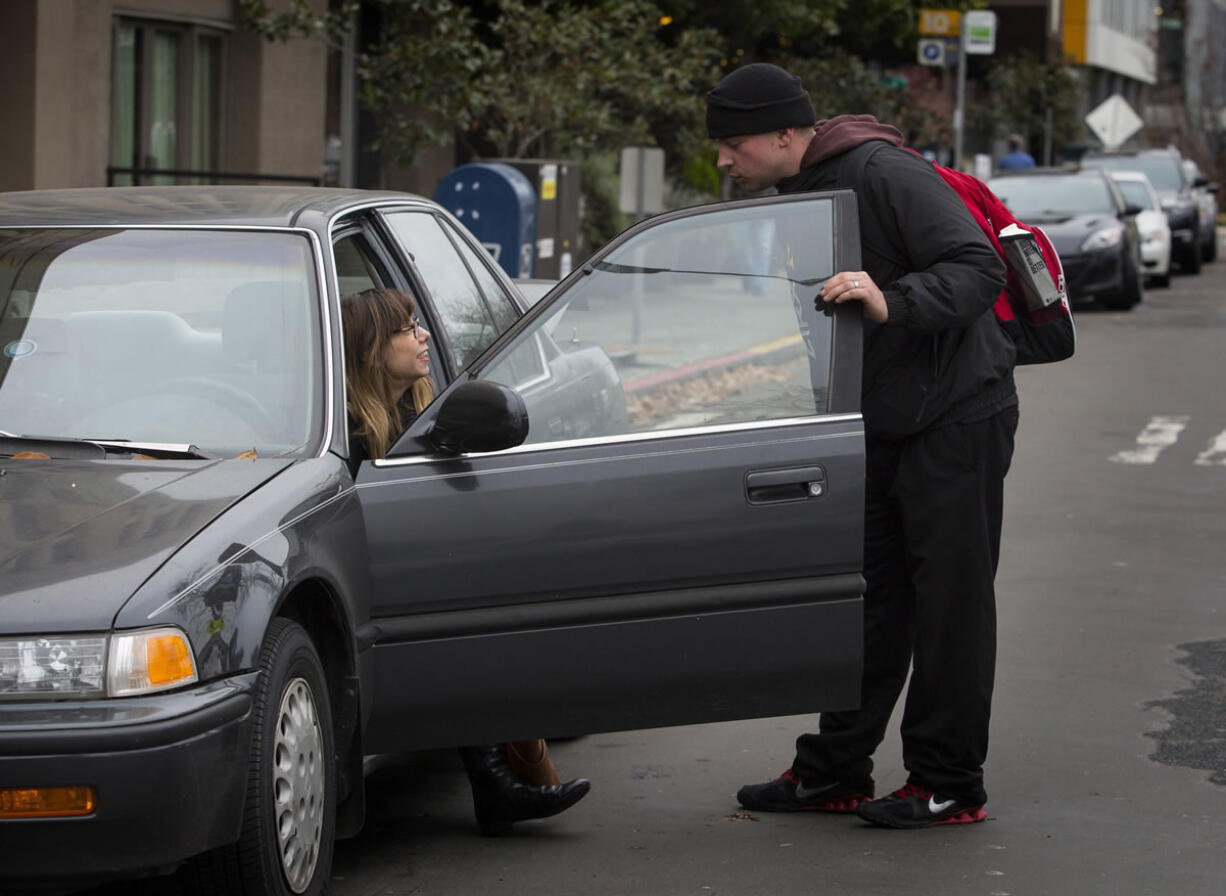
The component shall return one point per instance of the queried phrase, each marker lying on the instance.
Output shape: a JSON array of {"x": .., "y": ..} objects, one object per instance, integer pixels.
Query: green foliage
[
  {"x": 579, "y": 79},
  {"x": 1020, "y": 91},
  {"x": 299, "y": 20},
  {"x": 424, "y": 80}
]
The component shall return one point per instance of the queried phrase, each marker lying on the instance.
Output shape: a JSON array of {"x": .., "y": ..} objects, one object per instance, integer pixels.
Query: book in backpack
[{"x": 1033, "y": 308}]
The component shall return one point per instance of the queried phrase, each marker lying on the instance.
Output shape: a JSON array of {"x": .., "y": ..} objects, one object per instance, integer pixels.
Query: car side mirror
[
  {"x": 1131, "y": 210},
  {"x": 479, "y": 416}
]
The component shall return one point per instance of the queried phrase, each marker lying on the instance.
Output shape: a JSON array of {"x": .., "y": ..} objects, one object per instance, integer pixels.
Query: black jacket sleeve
[{"x": 954, "y": 274}]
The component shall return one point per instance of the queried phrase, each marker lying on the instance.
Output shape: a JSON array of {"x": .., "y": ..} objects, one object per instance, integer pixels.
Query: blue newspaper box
[{"x": 497, "y": 203}]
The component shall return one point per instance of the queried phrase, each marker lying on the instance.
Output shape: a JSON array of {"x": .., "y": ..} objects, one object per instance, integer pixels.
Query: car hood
[
  {"x": 77, "y": 538},
  {"x": 1068, "y": 233}
]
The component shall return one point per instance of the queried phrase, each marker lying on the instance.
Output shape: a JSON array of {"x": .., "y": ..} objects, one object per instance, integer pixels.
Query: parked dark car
[
  {"x": 1206, "y": 197},
  {"x": 206, "y": 621},
  {"x": 1166, "y": 173},
  {"x": 1090, "y": 224}
]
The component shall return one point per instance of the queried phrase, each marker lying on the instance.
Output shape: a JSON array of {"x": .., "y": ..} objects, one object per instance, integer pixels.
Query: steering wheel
[{"x": 232, "y": 398}]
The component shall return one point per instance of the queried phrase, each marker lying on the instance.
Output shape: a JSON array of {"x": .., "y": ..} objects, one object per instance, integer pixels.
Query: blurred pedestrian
[
  {"x": 940, "y": 411},
  {"x": 1017, "y": 157}
]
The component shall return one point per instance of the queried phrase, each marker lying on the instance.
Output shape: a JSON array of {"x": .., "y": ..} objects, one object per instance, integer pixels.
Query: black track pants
[{"x": 933, "y": 509}]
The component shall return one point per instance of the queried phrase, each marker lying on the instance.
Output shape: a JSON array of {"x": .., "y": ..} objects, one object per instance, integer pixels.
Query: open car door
[{"x": 678, "y": 537}]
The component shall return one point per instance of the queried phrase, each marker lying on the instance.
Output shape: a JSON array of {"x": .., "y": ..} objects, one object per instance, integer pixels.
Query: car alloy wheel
[
  {"x": 298, "y": 783},
  {"x": 289, "y": 822}
]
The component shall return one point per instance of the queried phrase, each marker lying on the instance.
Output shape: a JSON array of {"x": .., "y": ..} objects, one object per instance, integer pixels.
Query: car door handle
[{"x": 795, "y": 484}]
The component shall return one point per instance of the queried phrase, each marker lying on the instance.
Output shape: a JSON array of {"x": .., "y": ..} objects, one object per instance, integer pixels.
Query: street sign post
[
  {"x": 978, "y": 36},
  {"x": 1113, "y": 121},
  {"x": 940, "y": 22},
  {"x": 934, "y": 50},
  {"x": 979, "y": 33}
]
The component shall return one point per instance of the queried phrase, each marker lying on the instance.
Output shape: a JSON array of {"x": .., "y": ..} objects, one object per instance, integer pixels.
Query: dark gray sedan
[{"x": 637, "y": 504}]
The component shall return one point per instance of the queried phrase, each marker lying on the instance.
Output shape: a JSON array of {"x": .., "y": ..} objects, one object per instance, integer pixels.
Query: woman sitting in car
[{"x": 387, "y": 371}]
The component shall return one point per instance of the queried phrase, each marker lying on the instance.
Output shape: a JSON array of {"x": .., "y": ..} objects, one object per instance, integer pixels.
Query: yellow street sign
[{"x": 941, "y": 22}]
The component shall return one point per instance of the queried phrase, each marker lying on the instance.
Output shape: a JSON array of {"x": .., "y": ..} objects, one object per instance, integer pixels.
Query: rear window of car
[
  {"x": 1136, "y": 194},
  {"x": 179, "y": 337},
  {"x": 1161, "y": 169},
  {"x": 1054, "y": 196}
]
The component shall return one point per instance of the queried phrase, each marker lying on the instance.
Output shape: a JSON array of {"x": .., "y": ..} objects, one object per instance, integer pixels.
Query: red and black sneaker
[
  {"x": 788, "y": 793},
  {"x": 912, "y": 806}
]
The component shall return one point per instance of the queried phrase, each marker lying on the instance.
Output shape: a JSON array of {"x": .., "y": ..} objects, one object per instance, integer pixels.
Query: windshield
[
  {"x": 1044, "y": 197},
  {"x": 180, "y": 337},
  {"x": 1161, "y": 168}
]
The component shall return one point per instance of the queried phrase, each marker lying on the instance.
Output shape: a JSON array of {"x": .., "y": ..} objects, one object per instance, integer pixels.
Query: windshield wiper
[{"x": 87, "y": 449}]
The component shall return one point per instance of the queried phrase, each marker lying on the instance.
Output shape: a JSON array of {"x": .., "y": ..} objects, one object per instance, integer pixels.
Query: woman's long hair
[{"x": 369, "y": 320}]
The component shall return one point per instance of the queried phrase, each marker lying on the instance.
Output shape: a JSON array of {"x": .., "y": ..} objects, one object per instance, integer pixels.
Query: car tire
[
  {"x": 1190, "y": 263},
  {"x": 289, "y": 822},
  {"x": 1210, "y": 253},
  {"x": 1131, "y": 292},
  {"x": 1162, "y": 281}
]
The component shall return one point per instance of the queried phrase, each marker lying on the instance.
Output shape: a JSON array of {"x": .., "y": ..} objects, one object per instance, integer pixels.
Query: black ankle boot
[{"x": 500, "y": 798}]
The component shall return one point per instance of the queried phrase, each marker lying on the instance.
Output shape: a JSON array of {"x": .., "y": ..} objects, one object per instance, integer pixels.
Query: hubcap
[{"x": 298, "y": 784}]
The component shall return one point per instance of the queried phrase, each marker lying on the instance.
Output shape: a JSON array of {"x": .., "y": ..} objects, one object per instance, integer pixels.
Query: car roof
[
  {"x": 1147, "y": 151},
  {"x": 250, "y": 206},
  {"x": 1052, "y": 171}
]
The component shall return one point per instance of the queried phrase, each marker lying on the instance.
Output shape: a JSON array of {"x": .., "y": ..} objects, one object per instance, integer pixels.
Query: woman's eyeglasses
[{"x": 411, "y": 329}]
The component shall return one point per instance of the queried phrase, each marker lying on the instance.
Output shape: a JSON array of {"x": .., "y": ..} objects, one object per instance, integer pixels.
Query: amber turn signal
[{"x": 46, "y": 802}]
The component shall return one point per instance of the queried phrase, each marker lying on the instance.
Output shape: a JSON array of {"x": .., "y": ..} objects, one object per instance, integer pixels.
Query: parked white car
[{"x": 1152, "y": 224}]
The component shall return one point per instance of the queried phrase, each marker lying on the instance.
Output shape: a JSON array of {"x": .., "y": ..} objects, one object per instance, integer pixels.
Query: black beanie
[{"x": 755, "y": 99}]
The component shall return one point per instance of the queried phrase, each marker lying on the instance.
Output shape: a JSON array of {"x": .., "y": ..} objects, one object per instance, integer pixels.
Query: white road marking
[
  {"x": 1159, "y": 433},
  {"x": 1215, "y": 453}
]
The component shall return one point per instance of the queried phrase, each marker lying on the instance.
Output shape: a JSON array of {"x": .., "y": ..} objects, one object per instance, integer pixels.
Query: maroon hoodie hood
[{"x": 834, "y": 136}]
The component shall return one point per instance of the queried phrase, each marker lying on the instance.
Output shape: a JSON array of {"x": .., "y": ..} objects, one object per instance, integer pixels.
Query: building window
[{"x": 166, "y": 101}]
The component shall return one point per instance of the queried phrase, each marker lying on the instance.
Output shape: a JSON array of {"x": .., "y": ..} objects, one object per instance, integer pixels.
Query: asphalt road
[{"x": 1107, "y": 773}]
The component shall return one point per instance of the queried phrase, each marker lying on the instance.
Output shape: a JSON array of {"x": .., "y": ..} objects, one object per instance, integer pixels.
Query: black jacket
[{"x": 941, "y": 357}]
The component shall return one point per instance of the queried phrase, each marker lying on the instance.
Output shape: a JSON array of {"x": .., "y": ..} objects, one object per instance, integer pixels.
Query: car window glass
[
  {"x": 180, "y": 337},
  {"x": 1042, "y": 197},
  {"x": 356, "y": 269},
  {"x": 501, "y": 306},
  {"x": 700, "y": 321},
  {"x": 1135, "y": 193},
  {"x": 462, "y": 311},
  {"x": 1161, "y": 168}
]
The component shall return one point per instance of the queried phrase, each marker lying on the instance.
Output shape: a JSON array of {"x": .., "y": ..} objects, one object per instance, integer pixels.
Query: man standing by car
[{"x": 940, "y": 411}]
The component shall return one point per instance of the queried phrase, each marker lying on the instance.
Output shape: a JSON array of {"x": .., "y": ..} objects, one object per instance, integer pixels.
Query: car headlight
[
  {"x": 1103, "y": 239},
  {"x": 95, "y": 665}
]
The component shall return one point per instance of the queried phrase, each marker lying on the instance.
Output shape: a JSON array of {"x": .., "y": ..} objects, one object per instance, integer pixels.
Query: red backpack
[{"x": 1033, "y": 308}]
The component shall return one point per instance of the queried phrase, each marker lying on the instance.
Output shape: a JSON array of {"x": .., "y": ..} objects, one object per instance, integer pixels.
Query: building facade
[{"x": 155, "y": 91}]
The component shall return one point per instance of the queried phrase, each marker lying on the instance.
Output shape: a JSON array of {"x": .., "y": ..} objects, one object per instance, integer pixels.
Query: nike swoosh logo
[
  {"x": 937, "y": 808},
  {"x": 805, "y": 792}
]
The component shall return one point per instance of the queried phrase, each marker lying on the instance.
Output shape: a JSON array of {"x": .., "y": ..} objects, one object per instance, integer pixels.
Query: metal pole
[
  {"x": 347, "y": 173},
  {"x": 640, "y": 200},
  {"x": 961, "y": 100},
  {"x": 1047, "y": 138}
]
